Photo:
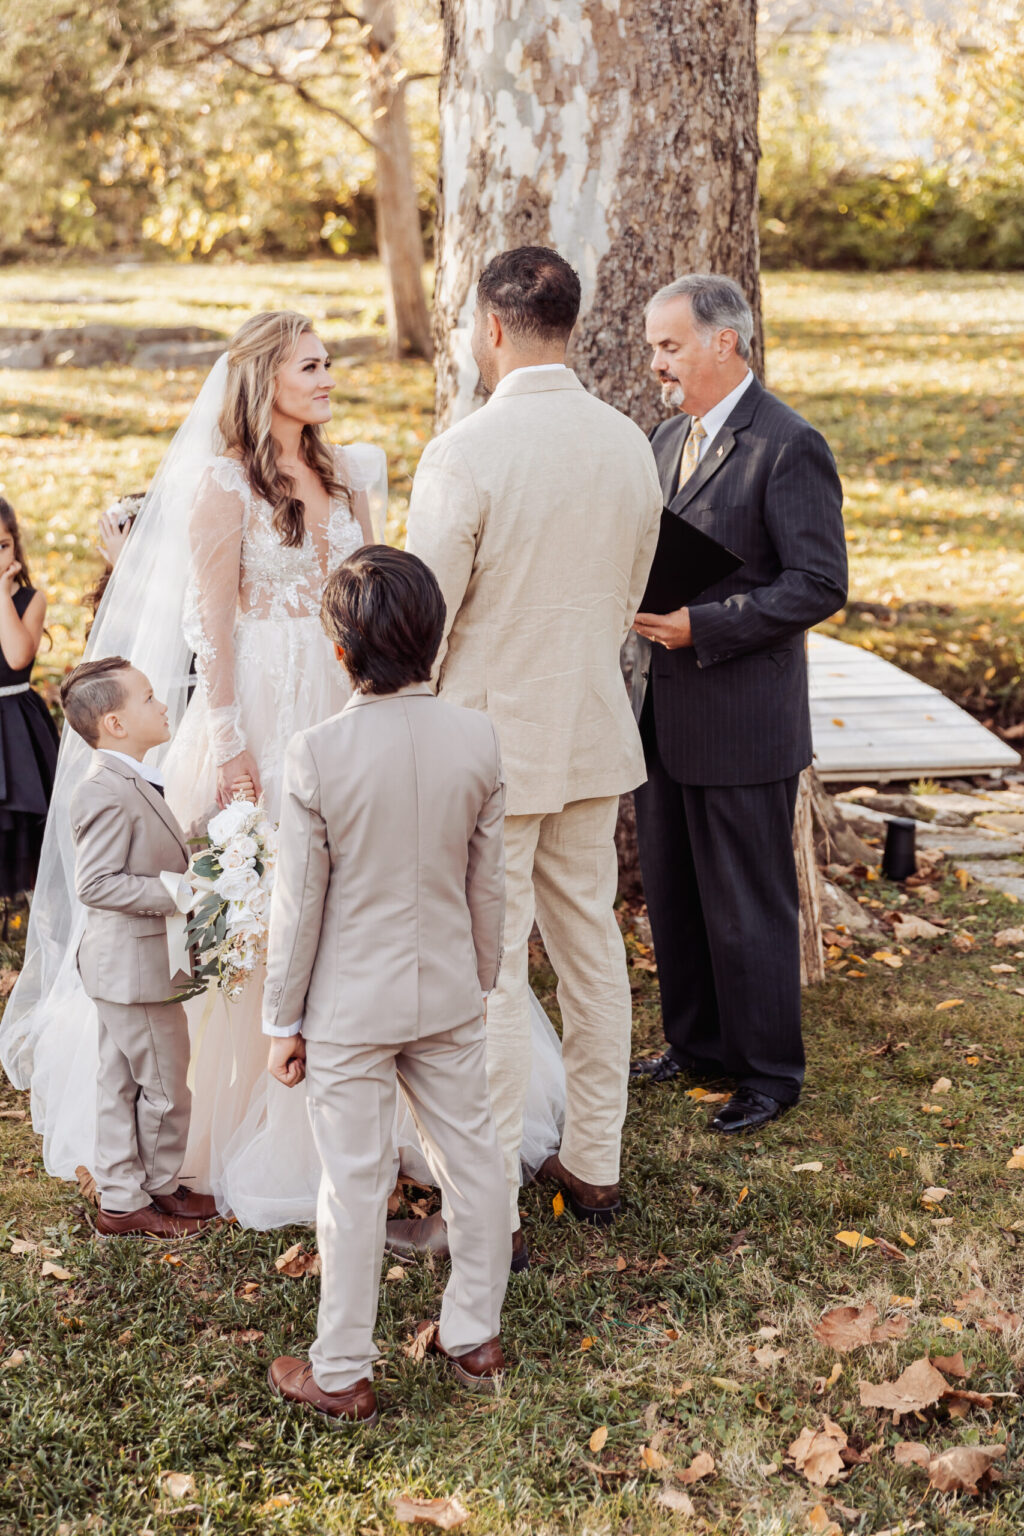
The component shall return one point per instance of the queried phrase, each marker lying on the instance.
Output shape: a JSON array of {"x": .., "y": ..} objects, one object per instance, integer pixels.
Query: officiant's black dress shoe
[
  {"x": 412, "y": 1239},
  {"x": 745, "y": 1111}
]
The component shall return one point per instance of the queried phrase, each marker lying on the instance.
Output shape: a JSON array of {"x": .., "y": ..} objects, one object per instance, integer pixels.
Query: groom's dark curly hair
[
  {"x": 533, "y": 291},
  {"x": 385, "y": 609}
]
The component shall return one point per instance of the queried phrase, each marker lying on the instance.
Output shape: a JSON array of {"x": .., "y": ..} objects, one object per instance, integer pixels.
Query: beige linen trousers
[
  {"x": 124, "y": 835},
  {"x": 539, "y": 515},
  {"x": 385, "y": 929}
]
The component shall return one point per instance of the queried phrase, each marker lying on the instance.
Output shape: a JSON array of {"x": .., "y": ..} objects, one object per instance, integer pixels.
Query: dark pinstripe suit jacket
[{"x": 733, "y": 708}]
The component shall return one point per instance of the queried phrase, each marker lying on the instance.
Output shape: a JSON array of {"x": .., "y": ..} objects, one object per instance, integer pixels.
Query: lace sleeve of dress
[
  {"x": 211, "y": 604},
  {"x": 364, "y": 469}
]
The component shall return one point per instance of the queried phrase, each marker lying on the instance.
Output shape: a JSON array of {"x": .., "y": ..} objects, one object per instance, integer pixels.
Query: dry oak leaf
[
  {"x": 599, "y": 1439},
  {"x": 420, "y": 1342},
  {"x": 296, "y": 1262},
  {"x": 702, "y": 1465},
  {"x": 1007, "y": 937},
  {"x": 920, "y": 1386},
  {"x": 965, "y": 1469},
  {"x": 767, "y": 1357},
  {"x": 816, "y": 1453},
  {"x": 908, "y": 1453},
  {"x": 55, "y": 1272},
  {"x": 846, "y": 1328},
  {"x": 680, "y": 1503},
  {"x": 446, "y": 1514},
  {"x": 87, "y": 1185},
  {"x": 915, "y": 928},
  {"x": 177, "y": 1485}
]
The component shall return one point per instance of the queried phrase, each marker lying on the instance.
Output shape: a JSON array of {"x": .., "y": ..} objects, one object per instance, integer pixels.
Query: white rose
[
  {"x": 229, "y": 822},
  {"x": 258, "y": 902},
  {"x": 239, "y": 916},
  {"x": 246, "y": 847},
  {"x": 235, "y": 884},
  {"x": 231, "y": 858}
]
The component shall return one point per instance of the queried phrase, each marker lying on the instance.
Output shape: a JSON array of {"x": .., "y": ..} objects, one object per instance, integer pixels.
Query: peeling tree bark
[
  {"x": 621, "y": 132},
  {"x": 399, "y": 238}
]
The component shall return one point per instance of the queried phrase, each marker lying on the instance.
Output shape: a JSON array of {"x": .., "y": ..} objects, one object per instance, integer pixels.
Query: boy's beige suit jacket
[
  {"x": 539, "y": 515},
  {"x": 124, "y": 836},
  {"x": 389, "y": 897}
]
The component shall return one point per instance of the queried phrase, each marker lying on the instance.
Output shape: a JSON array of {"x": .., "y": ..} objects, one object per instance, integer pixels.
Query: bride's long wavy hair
[{"x": 255, "y": 353}]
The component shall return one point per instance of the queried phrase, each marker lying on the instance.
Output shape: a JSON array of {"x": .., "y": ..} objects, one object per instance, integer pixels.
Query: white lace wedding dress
[
  {"x": 266, "y": 671},
  {"x": 250, "y": 612}
]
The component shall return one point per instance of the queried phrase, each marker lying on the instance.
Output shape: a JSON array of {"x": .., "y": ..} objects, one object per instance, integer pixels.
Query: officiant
[{"x": 725, "y": 716}]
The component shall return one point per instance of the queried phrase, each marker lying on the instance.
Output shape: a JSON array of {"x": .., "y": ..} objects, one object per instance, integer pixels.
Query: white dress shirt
[
  {"x": 144, "y": 771},
  {"x": 714, "y": 420}
]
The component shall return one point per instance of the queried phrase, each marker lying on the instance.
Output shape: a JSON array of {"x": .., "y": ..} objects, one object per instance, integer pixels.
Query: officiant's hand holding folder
[{"x": 686, "y": 562}]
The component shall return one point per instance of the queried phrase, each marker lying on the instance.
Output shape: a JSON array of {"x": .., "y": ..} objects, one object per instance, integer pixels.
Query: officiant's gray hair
[{"x": 717, "y": 302}]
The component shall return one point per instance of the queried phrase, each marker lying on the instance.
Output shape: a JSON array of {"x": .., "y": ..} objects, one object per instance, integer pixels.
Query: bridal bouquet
[{"x": 231, "y": 876}]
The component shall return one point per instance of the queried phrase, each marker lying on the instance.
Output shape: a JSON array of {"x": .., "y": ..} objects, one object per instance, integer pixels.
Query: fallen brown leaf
[
  {"x": 702, "y": 1465},
  {"x": 847, "y": 1328},
  {"x": 960, "y": 1402},
  {"x": 419, "y": 1343},
  {"x": 246, "y": 1336},
  {"x": 652, "y": 1458},
  {"x": 949, "y": 1002},
  {"x": 680, "y": 1503},
  {"x": 13, "y": 1114},
  {"x": 278, "y": 1501},
  {"x": 951, "y": 1365},
  {"x": 16, "y": 1358},
  {"x": 396, "y": 1272},
  {"x": 912, "y": 927},
  {"x": 1009, "y": 938},
  {"x": 941, "y": 1085},
  {"x": 908, "y": 1453},
  {"x": 815, "y": 1453},
  {"x": 55, "y": 1272},
  {"x": 87, "y": 1185},
  {"x": 819, "y": 1521},
  {"x": 177, "y": 1485},
  {"x": 599, "y": 1439},
  {"x": 919, "y": 1386},
  {"x": 446, "y": 1514},
  {"x": 855, "y": 1240},
  {"x": 767, "y": 1357},
  {"x": 23, "y": 1245},
  {"x": 889, "y": 1250},
  {"x": 296, "y": 1262},
  {"x": 965, "y": 1469}
]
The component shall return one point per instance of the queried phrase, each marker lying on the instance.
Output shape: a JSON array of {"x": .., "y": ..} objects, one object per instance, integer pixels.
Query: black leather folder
[{"x": 686, "y": 563}]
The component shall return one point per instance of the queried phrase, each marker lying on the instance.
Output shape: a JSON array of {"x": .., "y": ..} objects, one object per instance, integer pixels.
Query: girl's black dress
[{"x": 28, "y": 761}]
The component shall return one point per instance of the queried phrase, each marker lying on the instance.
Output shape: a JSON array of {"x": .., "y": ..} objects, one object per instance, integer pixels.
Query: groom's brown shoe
[
  {"x": 480, "y": 1369},
  {"x": 598, "y": 1204},
  {"x": 412, "y": 1239},
  {"x": 292, "y": 1379},
  {"x": 186, "y": 1202},
  {"x": 150, "y": 1221}
]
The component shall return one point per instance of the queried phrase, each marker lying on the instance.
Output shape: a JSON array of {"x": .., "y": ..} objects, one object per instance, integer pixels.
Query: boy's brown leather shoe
[
  {"x": 480, "y": 1369},
  {"x": 186, "y": 1202},
  {"x": 150, "y": 1221},
  {"x": 598, "y": 1204},
  {"x": 292, "y": 1379}
]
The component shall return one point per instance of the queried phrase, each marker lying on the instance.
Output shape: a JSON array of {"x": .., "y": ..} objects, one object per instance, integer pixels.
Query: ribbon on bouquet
[{"x": 181, "y": 893}]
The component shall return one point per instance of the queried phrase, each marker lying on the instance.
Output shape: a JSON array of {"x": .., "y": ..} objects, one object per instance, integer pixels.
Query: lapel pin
[{"x": 719, "y": 453}]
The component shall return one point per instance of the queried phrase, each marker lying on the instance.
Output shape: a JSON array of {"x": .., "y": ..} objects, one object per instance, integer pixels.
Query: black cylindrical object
[{"x": 900, "y": 857}]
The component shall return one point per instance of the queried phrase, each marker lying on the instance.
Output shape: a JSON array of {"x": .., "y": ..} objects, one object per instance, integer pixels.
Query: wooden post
[{"x": 812, "y": 955}]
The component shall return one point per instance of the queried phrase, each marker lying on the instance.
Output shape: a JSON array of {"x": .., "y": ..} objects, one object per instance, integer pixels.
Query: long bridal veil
[{"x": 48, "y": 1030}]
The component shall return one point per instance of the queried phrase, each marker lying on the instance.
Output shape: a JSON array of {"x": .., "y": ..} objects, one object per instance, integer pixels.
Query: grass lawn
[{"x": 137, "y": 1366}]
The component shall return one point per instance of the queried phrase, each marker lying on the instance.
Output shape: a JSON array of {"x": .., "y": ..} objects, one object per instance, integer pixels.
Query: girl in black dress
[{"x": 28, "y": 736}]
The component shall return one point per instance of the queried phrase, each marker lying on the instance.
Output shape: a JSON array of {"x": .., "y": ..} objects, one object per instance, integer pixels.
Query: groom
[{"x": 539, "y": 515}]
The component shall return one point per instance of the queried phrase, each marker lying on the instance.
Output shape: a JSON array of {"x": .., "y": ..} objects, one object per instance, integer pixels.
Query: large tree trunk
[
  {"x": 621, "y": 132},
  {"x": 399, "y": 238}
]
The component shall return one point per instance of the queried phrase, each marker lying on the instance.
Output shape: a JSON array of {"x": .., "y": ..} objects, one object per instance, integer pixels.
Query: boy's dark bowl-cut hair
[{"x": 385, "y": 609}]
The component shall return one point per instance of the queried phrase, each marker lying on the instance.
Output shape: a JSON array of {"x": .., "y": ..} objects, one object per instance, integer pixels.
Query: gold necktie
[{"x": 691, "y": 452}]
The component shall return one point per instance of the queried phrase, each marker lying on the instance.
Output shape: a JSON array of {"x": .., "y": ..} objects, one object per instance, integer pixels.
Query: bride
[{"x": 249, "y": 511}]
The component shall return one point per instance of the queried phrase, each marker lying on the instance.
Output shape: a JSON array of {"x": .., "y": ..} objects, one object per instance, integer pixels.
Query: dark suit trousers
[{"x": 720, "y": 880}]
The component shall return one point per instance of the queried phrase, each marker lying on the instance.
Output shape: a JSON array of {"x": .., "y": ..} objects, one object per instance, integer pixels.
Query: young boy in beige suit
[
  {"x": 385, "y": 937},
  {"x": 125, "y": 837}
]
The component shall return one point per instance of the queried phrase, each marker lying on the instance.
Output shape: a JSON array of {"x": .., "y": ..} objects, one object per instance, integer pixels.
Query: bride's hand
[{"x": 241, "y": 767}]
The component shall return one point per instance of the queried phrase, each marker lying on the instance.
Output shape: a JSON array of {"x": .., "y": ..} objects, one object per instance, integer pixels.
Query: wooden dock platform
[{"x": 872, "y": 721}]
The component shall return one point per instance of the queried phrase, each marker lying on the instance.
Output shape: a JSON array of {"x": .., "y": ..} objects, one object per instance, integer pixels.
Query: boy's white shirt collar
[{"x": 144, "y": 771}]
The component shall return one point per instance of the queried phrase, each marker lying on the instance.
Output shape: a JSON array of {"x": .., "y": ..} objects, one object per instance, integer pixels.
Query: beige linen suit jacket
[
  {"x": 124, "y": 836},
  {"x": 389, "y": 896},
  {"x": 539, "y": 515}
]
